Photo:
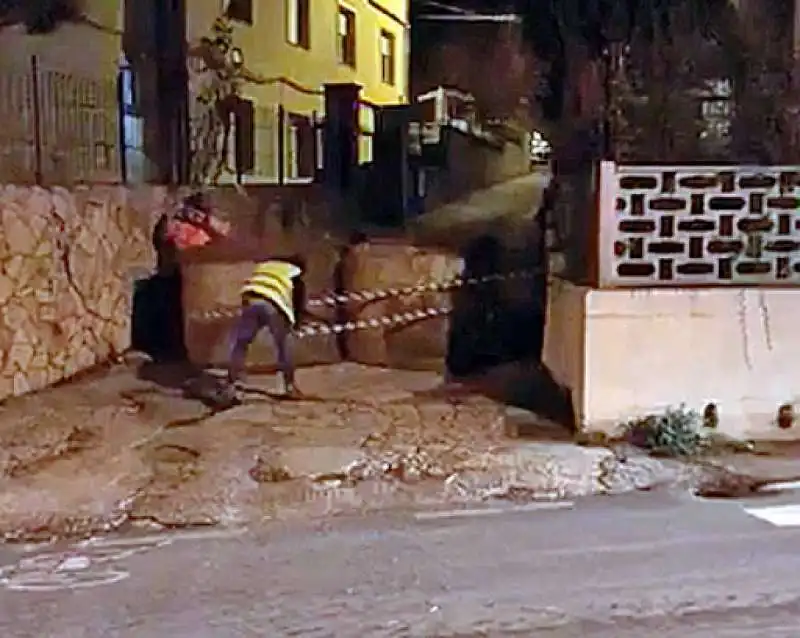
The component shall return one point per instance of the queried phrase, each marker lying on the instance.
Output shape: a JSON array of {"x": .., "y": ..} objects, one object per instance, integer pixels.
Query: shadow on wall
[
  {"x": 157, "y": 321},
  {"x": 491, "y": 323},
  {"x": 157, "y": 328},
  {"x": 503, "y": 323}
]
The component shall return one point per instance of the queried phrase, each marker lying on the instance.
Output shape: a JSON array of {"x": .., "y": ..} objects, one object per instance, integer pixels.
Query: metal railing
[{"x": 58, "y": 128}]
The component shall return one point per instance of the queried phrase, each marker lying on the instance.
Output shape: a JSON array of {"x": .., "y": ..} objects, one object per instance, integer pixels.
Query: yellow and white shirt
[{"x": 272, "y": 281}]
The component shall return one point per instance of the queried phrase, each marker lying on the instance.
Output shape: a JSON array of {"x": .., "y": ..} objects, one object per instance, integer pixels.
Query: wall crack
[
  {"x": 765, "y": 320},
  {"x": 743, "y": 326},
  {"x": 65, "y": 258}
]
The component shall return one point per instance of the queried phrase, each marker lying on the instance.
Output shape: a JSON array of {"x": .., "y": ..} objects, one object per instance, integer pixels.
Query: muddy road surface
[{"x": 115, "y": 449}]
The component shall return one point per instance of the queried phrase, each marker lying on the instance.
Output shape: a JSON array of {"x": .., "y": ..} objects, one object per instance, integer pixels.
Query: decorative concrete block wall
[
  {"x": 699, "y": 226},
  {"x": 67, "y": 263}
]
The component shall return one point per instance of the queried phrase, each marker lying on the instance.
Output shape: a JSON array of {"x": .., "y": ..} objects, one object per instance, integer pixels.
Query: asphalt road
[{"x": 648, "y": 564}]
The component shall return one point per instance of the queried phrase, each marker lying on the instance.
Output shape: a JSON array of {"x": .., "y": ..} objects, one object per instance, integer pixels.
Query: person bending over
[{"x": 272, "y": 298}]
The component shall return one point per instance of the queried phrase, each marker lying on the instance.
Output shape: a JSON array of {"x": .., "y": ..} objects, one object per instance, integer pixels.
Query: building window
[
  {"x": 128, "y": 90},
  {"x": 388, "y": 47},
  {"x": 300, "y": 148},
  {"x": 298, "y": 23},
  {"x": 366, "y": 132},
  {"x": 347, "y": 37},
  {"x": 132, "y": 127},
  {"x": 239, "y": 10}
]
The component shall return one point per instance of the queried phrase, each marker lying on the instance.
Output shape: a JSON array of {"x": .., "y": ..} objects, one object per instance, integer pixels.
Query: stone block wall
[
  {"x": 213, "y": 276},
  {"x": 67, "y": 263},
  {"x": 392, "y": 265}
]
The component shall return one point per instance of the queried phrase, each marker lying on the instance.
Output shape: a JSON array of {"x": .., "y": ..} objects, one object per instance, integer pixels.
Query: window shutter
[
  {"x": 350, "y": 41},
  {"x": 304, "y": 155},
  {"x": 303, "y": 23},
  {"x": 244, "y": 135},
  {"x": 307, "y": 141}
]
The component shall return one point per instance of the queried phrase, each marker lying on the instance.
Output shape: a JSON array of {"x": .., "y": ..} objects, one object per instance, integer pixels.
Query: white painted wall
[{"x": 629, "y": 353}]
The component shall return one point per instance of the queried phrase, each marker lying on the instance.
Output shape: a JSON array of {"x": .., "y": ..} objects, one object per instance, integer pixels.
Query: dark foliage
[
  {"x": 554, "y": 28},
  {"x": 40, "y": 16}
]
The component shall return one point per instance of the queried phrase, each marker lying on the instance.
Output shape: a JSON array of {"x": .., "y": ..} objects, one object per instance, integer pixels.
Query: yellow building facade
[
  {"x": 87, "y": 49},
  {"x": 298, "y": 46},
  {"x": 70, "y": 132}
]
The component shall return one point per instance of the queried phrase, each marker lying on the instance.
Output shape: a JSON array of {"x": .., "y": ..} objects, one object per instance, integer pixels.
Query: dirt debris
[
  {"x": 268, "y": 469},
  {"x": 115, "y": 451},
  {"x": 23, "y": 459}
]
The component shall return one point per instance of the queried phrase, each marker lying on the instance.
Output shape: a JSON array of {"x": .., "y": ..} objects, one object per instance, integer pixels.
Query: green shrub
[{"x": 676, "y": 432}]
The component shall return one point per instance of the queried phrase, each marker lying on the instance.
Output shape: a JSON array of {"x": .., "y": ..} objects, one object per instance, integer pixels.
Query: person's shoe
[
  {"x": 292, "y": 392},
  {"x": 236, "y": 379}
]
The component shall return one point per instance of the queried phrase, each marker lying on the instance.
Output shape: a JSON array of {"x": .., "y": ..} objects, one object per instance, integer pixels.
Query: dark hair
[
  {"x": 196, "y": 200},
  {"x": 298, "y": 260},
  {"x": 357, "y": 237}
]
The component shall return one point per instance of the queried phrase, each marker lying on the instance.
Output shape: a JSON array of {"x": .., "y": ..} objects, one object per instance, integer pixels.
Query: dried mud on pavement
[{"x": 112, "y": 450}]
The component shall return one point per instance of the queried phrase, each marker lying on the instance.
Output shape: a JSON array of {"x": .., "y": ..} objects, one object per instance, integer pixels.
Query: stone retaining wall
[
  {"x": 386, "y": 265},
  {"x": 213, "y": 276},
  {"x": 67, "y": 262}
]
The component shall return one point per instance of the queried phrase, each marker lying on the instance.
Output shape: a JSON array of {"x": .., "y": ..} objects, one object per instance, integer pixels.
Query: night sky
[{"x": 551, "y": 25}]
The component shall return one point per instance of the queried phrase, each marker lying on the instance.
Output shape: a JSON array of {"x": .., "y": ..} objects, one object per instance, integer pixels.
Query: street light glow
[{"x": 470, "y": 17}]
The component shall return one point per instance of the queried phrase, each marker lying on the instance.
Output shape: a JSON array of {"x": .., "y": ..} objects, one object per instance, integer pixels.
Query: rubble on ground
[
  {"x": 269, "y": 470},
  {"x": 529, "y": 472},
  {"x": 20, "y": 458},
  {"x": 406, "y": 467},
  {"x": 111, "y": 452},
  {"x": 721, "y": 481}
]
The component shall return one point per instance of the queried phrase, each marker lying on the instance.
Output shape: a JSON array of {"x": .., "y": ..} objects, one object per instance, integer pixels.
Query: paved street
[{"x": 659, "y": 564}]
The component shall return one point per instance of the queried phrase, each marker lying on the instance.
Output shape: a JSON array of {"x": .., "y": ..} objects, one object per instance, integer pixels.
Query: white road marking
[
  {"x": 89, "y": 563},
  {"x": 64, "y": 580},
  {"x": 778, "y": 515},
  {"x": 162, "y": 537},
  {"x": 494, "y": 511},
  {"x": 781, "y": 487}
]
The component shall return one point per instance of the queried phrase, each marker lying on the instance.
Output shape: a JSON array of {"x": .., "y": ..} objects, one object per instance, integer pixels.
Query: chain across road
[{"x": 383, "y": 322}]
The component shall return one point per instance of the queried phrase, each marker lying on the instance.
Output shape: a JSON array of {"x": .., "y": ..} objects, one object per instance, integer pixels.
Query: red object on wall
[{"x": 185, "y": 235}]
